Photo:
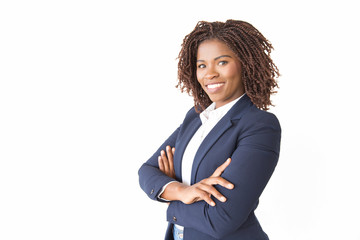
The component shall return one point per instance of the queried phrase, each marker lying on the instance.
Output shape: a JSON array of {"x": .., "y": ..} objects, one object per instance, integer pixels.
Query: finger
[
  {"x": 208, "y": 199},
  {"x": 218, "y": 181},
  {"x": 169, "y": 153},
  {"x": 203, "y": 195},
  {"x": 171, "y": 159},
  {"x": 210, "y": 190},
  {"x": 161, "y": 164},
  {"x": 222, "y": 168},
  {"x": 173, "y": 150},
  {"x": 165, "y": 161}
]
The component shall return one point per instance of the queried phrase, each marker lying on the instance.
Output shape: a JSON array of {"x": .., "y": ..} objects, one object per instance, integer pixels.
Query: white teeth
[{"x": 216, "y": 85}]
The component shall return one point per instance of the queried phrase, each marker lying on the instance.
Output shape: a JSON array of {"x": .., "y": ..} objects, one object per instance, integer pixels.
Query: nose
[{"x": 211, "y": 73}]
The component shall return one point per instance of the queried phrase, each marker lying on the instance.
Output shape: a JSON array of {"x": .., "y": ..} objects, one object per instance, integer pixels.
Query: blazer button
[
  {"x": 152, "y": 191},
  {"x": 174, "y": 218}
]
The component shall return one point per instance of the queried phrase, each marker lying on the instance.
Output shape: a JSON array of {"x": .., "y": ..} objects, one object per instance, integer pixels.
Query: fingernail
[
  {"x": 212, "y": 204},
  {"x": 230, "y": 185},
  {"x": 223, "y": 199}
]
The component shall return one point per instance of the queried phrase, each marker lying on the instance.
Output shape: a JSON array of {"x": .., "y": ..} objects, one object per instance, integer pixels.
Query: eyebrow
[{"x": 216, "y": 58}]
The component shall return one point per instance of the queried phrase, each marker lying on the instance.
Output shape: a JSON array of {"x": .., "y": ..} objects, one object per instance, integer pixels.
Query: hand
[
  {"x": 166, "y": 162},
  {"x": 201, "y": 190},
  {"x": 204, "y": 189}
]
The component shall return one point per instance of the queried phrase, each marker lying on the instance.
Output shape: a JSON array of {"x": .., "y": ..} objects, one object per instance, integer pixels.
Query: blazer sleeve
[
  {"x": 252, "y": 165},
  {"x": 151, "y": 179}
]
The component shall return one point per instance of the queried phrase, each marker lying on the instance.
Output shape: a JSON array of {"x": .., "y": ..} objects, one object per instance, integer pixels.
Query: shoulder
[
  {"x": 255, "y": 118},
  {"x": 260, "y": 129}
]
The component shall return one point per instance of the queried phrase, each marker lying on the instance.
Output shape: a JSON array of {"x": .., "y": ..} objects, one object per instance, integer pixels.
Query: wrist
[
  {"x": 180, "y": 191},
  {"x": 174, "y": 191}
]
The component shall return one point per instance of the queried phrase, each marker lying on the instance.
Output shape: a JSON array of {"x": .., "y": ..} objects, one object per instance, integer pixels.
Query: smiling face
[{"x": 219, "y": 72}]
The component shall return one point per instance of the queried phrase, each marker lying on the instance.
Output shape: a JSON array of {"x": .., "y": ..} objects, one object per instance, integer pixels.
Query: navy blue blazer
[{"x": 251, "y": 137}]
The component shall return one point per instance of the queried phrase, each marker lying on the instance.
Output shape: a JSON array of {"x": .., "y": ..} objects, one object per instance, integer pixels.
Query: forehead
[{"x": 213, "y": 48}]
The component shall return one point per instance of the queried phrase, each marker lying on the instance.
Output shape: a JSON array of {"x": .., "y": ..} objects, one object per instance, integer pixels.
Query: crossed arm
[
  {"x": 202, "y": 190},
  {"x": 252, "y": 164}
]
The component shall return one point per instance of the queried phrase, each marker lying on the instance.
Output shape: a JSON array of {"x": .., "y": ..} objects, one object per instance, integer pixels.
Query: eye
[
  {"x": 201, "y": 66},
  {"x": 222, "y": 63}
]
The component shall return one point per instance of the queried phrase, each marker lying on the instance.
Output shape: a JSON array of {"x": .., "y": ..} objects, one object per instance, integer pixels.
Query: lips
[{"x": 214, "y": 87}]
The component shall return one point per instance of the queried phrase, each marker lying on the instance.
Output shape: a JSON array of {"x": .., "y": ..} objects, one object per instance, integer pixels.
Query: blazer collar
[
  {"x": 235, "y": 113},
  {"x": 238, "y": 110},
  {"x": 194, "y": 125}
]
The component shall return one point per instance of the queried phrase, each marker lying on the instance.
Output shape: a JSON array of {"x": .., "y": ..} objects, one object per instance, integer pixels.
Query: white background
[{"x": 87, "y": 94}]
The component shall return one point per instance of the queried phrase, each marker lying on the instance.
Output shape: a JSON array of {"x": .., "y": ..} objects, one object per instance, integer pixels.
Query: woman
[{"x": 214, "y": 167}]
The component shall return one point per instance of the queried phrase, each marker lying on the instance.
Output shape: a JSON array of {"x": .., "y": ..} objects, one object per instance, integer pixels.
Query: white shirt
[{"x": 209, "y": 118}]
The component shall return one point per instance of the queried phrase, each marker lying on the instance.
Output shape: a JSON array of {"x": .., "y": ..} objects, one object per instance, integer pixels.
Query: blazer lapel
[
  {"x": 182, "y": 144},
  {"x": 224, "y": 124}
]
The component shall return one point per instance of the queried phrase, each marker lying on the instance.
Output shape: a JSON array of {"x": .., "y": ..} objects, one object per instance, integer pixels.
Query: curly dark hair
[{"x": 251, "y": 48}]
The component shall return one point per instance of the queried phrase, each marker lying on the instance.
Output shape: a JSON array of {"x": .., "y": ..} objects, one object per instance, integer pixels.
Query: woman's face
[{"x": 219, "y": 72}]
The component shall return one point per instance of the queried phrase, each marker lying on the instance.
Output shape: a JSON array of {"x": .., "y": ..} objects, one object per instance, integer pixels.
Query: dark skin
[
  {"x": 166, "y": 164},
  {"x": 202, "y": 190},
  {"x": 219, "y": 74}
]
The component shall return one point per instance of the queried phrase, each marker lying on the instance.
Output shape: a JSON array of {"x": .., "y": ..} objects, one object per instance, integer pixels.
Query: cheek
[
  {"x": 233, "y": 71},
  {"x": 199, "y": 77}
]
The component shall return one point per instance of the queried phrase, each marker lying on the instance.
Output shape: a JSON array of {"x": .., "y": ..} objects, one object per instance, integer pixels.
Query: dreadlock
[{"x": 251, "y": 48}]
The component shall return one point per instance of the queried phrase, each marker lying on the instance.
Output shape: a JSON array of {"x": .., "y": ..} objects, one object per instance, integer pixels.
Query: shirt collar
[{"x": 210, "y": 112}]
